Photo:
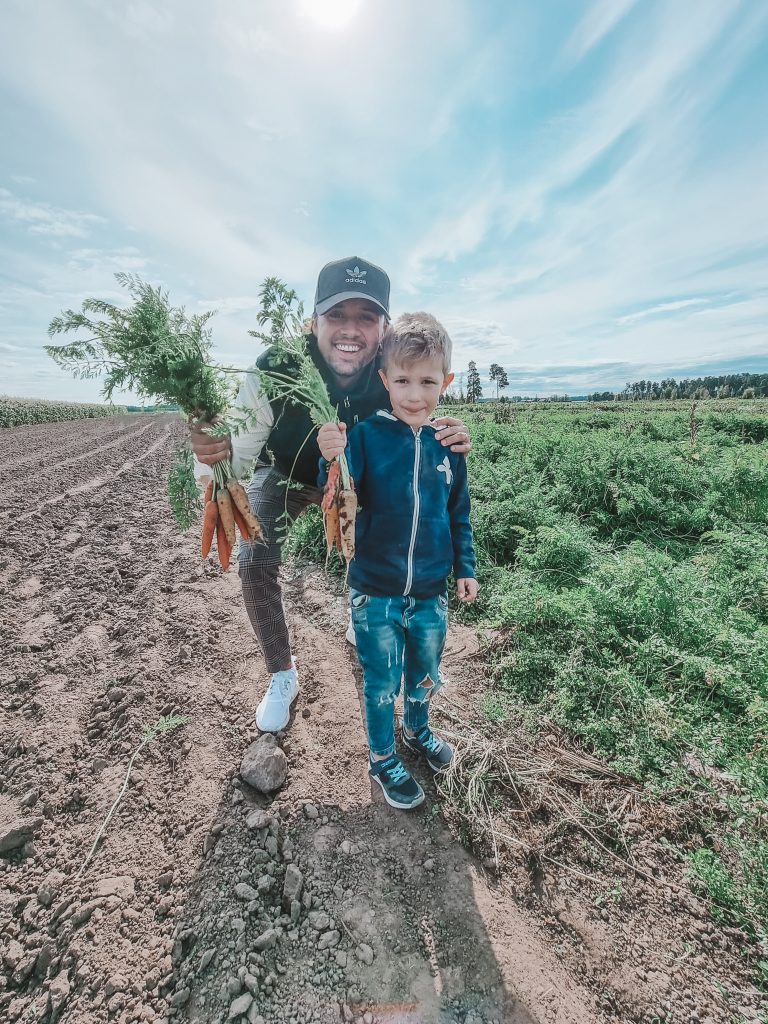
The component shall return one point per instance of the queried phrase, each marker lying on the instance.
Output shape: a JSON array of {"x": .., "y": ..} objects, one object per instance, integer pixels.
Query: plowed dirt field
[{"x": 109, "y": 621}]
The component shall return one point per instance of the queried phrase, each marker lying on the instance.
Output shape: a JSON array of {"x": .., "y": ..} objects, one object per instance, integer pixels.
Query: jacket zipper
[{"x": 416, "y": 503}]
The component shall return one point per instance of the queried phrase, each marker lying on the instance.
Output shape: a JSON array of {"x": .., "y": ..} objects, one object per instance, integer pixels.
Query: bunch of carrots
[
  {"x": 226, "y": 507},
  {"x": 339, "y": 507}
]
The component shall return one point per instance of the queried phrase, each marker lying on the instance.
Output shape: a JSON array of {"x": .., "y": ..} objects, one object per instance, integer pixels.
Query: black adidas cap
[{"x": 352, "y": 278}]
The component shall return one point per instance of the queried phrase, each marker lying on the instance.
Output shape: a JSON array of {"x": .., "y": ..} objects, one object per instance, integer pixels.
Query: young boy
[{"x": 412, "y": 529}]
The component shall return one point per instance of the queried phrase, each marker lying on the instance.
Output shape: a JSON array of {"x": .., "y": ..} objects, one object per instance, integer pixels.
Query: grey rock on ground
[
  {"x": 15, "y": 833},
  {"x": 264, "y": 765}
]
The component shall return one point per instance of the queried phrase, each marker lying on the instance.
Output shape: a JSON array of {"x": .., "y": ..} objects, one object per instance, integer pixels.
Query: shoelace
[
  {"x": 432, "y": 743},
  {"x": 397, "y": 773},
  {"x": 279, "y": 687}
]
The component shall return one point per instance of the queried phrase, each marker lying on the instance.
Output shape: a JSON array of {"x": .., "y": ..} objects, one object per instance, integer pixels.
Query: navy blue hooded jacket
[{"x": 413, "y": 526}]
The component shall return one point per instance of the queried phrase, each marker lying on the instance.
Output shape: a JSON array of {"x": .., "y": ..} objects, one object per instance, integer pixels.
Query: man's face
[{"x": 348, "y": 337}]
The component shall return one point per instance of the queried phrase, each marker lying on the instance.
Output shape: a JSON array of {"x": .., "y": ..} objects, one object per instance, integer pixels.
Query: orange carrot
[
  {"x": 241, "y": 524},
  {"x": 331, "y": 485},
  {"x": 347, "y": 512},
  {"x": 331, "y": 526},
  {"x": 241, "y": 503},
  {"x": 224, "y": 501},
  {"x": 208, "y": 493},
  {"x": 210, "y": 518},
  {"x": 223, "y": 544}
]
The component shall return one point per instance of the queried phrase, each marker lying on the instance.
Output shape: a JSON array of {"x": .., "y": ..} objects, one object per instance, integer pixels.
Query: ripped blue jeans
[{"x": 398, "y": 638}]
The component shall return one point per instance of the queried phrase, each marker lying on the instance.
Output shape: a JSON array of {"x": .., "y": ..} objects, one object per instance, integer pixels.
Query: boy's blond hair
[{"x": 416, "y": 336}]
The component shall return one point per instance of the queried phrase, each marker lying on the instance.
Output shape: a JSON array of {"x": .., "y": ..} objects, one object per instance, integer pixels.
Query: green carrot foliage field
[
  {"x": 624, "y": 562},
  {"x": 16, "y": 412}
]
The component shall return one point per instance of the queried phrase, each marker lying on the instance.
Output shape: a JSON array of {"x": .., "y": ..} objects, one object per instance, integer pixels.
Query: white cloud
[
  {"x": 664, "y": 307},
  {"x": 599, "y": 20},
  {"x": 45, "y": 219}
]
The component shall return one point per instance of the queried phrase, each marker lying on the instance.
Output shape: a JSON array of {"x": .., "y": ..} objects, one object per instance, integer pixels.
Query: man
[{"x": 351, "y": 313}]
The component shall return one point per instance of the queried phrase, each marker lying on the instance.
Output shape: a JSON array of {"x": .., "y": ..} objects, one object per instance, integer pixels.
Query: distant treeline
[
  {"x": 729, "y": 385},
  {"x": 152, "y": 408}
]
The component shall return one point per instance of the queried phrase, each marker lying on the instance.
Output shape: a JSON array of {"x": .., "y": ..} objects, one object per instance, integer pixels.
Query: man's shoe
[
  {"x": 437, "y": 753},
  {"x": 350, "y": 634},
  {"x": 399, "y": 787},
  {"x": 274, "y": 710}
]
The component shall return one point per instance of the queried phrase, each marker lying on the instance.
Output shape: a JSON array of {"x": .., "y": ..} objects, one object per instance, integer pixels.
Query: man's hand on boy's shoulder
[
  {"x": 466, "y": 589},
  {"x": 454, "y": 432},
  {"x": 332, "y": 440}
]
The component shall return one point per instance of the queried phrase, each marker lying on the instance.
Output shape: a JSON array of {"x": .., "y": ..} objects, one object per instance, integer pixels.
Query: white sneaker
[
  {"x": 274, "y": 710},
  {"x": 350, "y": 634}
]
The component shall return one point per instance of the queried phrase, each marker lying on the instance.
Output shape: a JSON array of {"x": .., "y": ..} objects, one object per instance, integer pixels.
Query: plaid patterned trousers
[{"x": 259, "y": 564}]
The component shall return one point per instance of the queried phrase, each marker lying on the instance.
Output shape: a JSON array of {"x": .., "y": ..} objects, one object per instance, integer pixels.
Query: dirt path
[{"x": 205, "y": 902}]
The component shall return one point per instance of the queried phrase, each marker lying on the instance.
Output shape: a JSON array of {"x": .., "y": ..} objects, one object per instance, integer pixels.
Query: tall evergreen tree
[
  {"x": 499, "y": 374},
  {"x": 474, "y": 387}
]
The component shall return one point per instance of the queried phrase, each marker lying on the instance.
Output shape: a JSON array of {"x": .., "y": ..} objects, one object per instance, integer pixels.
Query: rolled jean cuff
[{"x": 383, "y": 753}]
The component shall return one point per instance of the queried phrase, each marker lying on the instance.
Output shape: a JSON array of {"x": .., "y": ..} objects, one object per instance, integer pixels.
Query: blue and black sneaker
[
  {"x": 437, "y": 753},
  {"x": 398, "y": 785}
]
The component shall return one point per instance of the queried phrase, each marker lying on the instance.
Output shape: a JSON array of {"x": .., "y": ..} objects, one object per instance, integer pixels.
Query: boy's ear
[
  {"x": 447, "y": 382},
  {"x": 384, "y": 380}
]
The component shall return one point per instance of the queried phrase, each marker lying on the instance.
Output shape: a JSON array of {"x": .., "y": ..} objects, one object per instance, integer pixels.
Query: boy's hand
[
  {"x": 466, "y": 589},
  {"x": 332, "y": 440},
  {"x": 453, "y": 432}
]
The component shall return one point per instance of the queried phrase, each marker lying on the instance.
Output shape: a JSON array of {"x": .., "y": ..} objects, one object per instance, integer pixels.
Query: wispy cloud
[
  {"x": 45, "y": 219},
  {"x": 599, "y": 20},
  {"x": 662, "y": 308}
]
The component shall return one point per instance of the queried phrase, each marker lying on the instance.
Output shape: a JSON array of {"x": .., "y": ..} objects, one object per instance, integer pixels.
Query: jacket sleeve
[
  {"x": 253, "y": 411},
  {"x": 464, "y": 561}
]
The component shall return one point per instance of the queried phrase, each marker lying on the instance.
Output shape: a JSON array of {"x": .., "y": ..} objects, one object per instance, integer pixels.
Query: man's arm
[{"x": 464, "y": 561}]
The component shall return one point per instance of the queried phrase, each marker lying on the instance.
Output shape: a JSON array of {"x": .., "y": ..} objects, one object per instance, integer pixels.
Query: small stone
[
  {"x": 180, "y": 998},
  {"x": 121, "y": 885},
  {"x": 18, "y": 831},
  {"x": 246, "y": 892},
  {"x": 311, "y": 812},
  {"x": 367, "y": 1017},
  {"x": 58, "y": 994},
  {"x": 341, "y": 957},
  {"x": 266, "y": 940},
  {"x": 165, "y": 880},
  {"x": 115, "y": 983},
  {"x": 364, "y": 953},
  {"x": 50, "y": 887},
  {"x": 429, "y": 864},
  {"x": 319, "y": 920},
  {"x": 240, "y": 1006},
  {"x": 259, "y": 818},
  {"x": 206, "y": 958},
  {"x": 329, "y": 939},
  {"x": 294, "y": 880},
  {"x": 295, "y": 911}
]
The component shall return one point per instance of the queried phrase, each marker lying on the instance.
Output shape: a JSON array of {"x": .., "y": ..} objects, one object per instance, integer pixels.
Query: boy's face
[{"x": 415, "y": 390}]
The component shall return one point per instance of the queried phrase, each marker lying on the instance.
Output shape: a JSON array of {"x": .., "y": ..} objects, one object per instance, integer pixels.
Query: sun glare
[{"x": 330, "y": 14}]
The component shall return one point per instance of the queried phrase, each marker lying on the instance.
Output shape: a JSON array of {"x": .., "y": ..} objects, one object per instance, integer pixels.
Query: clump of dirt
[{"x": 209, "y": 902}]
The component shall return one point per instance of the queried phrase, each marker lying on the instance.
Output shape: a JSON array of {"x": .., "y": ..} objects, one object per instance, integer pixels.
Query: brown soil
[{"x": 109, "y": 621}]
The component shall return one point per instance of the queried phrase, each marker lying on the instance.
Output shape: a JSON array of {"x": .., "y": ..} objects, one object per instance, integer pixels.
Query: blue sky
[{"x": 579, "y": 190}]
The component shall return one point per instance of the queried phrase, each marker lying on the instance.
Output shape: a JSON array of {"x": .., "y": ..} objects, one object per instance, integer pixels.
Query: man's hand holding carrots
[{"x": 208, "y": 450}]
